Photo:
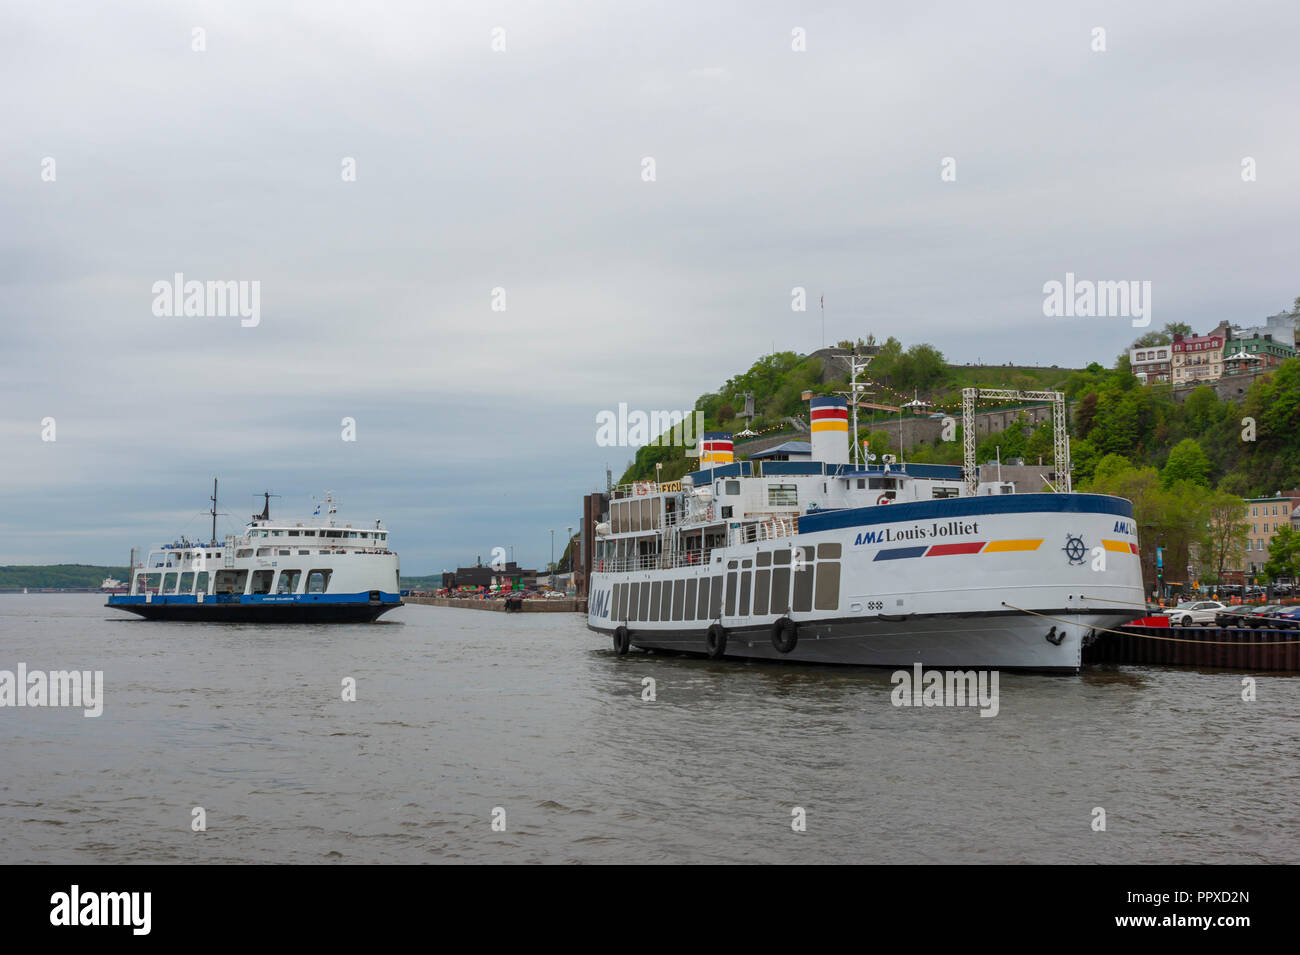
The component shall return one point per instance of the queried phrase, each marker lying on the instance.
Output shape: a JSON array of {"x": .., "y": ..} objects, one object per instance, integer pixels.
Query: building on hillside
[
  {"x": 1151, "y": 364},
  {"x": 1198, "y": 359},
  {"x": 1268, "y": 350},
  {"x": 1280, "y": 328},
  {"x": 1264, "y": 516}
]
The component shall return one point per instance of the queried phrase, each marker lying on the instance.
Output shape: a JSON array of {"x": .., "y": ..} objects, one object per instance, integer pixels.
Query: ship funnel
[
  {"x": 829, "y": 417},
  {"x": 716, "y": 448}
]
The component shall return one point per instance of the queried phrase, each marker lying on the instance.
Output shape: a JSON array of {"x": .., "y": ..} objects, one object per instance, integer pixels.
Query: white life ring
[
  {"x": 640, "y": 490},
  {"x": 883, "y": 499}
]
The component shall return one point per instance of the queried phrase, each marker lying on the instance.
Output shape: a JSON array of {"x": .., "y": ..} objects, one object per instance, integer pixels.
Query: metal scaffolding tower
[{"x": 1060, "y": 436}]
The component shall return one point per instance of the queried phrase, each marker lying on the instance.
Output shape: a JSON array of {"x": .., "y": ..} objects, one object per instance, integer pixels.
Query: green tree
[
  {"x": 1187, "y": 462},
  {"x": 1222, "y": 545},
  {"x": 1283, "y": 554}
]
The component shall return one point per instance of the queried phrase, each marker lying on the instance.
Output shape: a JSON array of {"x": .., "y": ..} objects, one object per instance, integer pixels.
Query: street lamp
[
  {"x": 552, "y": 558},
  {"x": 569, "y": 545}
]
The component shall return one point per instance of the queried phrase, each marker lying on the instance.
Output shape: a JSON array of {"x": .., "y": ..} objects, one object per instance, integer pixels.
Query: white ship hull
[{"x": 1015, "y": 582}]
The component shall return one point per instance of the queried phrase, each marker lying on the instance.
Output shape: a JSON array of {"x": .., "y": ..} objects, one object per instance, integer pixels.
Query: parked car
[
  {"x": 1285, "y": 618},
  {"x": 1246, "y": 615},
  {"x": 1194, "y": 612}
]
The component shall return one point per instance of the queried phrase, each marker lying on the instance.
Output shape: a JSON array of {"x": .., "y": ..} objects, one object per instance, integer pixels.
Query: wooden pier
[{"x": 1230, "y": 649}]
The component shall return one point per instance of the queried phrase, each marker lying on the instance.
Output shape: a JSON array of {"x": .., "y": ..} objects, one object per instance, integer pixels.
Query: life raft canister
[{"x": 785, "y": 635}]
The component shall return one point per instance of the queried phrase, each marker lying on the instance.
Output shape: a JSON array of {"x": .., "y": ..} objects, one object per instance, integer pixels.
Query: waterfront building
[
  {"x": 1198, "y": 359},
  {"x": 1151, "y": 364}
]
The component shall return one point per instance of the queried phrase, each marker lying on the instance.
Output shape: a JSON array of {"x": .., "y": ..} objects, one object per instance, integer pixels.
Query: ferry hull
[
  {"x": 257, "y": 611},
  {"x": 988, "y": 641}
]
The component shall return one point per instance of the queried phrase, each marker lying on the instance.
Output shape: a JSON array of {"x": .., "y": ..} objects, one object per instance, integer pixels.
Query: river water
[{"x": 460, "y": 713}]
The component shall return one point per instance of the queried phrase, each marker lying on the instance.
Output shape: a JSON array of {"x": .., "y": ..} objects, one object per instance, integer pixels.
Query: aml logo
[
  {"x": 1124, "y": 527},
  {"x": 870, "y": 537},
  {"x": 600, "y": 604}
]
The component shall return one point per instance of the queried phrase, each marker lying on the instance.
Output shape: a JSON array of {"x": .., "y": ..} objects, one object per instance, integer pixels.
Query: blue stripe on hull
[{"x": 966, "y": 507}]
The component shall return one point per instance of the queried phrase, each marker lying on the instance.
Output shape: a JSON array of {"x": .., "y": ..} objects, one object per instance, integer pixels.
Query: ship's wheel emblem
[{"x": 1075, "y": 549}]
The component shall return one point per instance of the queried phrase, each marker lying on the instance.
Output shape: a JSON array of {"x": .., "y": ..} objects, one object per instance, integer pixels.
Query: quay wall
[
  {"x": 1230, "y": 649},
  {"x": 535, "y": 605}
]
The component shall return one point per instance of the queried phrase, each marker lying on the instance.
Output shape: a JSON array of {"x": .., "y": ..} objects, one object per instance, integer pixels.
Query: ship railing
[{"x": 623, "y": 565}]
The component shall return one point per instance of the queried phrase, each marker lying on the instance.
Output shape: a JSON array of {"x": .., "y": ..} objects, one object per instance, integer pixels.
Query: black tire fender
[
  {"x": 785, "y": 635},
  {"x": 622, "y": 640},
  {"x": 715, "y": 642}
]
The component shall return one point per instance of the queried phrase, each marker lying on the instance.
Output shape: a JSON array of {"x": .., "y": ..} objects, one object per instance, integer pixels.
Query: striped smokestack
[
  {"x": 829, "y": 417},
  {"x": 716, "y": 448}
]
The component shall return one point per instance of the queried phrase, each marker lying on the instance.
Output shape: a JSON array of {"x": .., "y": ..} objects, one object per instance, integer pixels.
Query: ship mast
[{"x": 854, "y": 394}]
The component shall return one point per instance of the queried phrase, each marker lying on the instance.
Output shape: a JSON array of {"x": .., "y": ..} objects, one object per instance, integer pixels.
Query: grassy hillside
[{"x": 59, "y": 575}]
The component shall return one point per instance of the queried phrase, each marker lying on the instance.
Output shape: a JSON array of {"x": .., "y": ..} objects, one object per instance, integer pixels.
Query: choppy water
[{"x": 459, "y": 712}]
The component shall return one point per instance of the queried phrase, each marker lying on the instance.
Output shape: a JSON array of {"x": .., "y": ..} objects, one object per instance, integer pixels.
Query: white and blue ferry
[
  {"x": 820, "y": 560},
  {"x": 316, "y": 570}
]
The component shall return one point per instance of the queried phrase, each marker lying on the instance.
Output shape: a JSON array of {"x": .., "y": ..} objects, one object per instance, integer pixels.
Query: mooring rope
[{"x": 1150, "y": 636}]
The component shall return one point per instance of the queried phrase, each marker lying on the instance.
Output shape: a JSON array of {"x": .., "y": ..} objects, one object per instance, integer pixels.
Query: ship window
[
  {"x": 726, "y": 511},
  {"x": 782, "y": 495},
  {"x": 633, "y": 601},
  {"x": 294, "y": 533},
  {"x": 944, "y": 492},
  {"x": 323, "y": 552},
  {"x": 352, "y": 534},
  {"x": 666, "y": 608},
  {"x": 881, "y": 484},
  {"x": 643, "y": 609},
  {"x": 715, "y": 598},
  {"x": 277, "y": 533},
  {"x": 303, "y": 553},
  {"x": 762, "y": 586},
  {"x": 691, "y": 596},
  {"x": 288, "y": 582},
  {"x": 803, "y": 588},
  {"x": 333, "y": 533},
  {"x": 264, "y": 552},
  {"x": 318, "y": 581},
  {"x": 780, "y": 582},
  {"x": 828, "y": 582},
  {"x": 308, "y": 533},
  {"x": 647, "y": 520},
  {"x": 862, "y": 483},
  {"x": 733, "y": 487},
  {"x": 731, "y": 592},
  {"x": 828, "y": 551},
  {"x": 618, "y": 602},
  {"x": 167, "y": 582},
  {"x": 743, "y": 609},
  {"x": 261, "y": 582},
  {"x": 187, "y": 583},
  {"x": 702, "y": 608},
  {"x": 201, "y": 581},
  {"x": 284, "y": 552},
  {"x": 656, "y": 599},
  {"x": 1007, "y": 489}
]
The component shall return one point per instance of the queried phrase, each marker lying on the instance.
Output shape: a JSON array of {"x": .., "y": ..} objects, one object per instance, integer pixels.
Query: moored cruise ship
[
  {"x": 823, "y": 561},
  {"x": 316, "y": 570}
]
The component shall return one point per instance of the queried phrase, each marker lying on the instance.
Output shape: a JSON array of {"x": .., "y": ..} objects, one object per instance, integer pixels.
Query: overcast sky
[{"x": 522, "y": 169}]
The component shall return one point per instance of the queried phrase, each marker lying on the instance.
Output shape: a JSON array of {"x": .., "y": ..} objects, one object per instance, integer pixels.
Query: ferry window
[
  {"x": 743, "y": 608},
  {"x": 702, "y": 608},
  {"x": 283, "y": 552},
  {"x": 288, "y": 582},
  {"x": 333, "y": 533},
  {"x": 277, "y": 533},
  {"x": 187, "y": 583},
  {"x": 726, "y": 511},
  {"x": 733, "y": 487},
  {"x": 828, "y": 551},
  {"x": 782, "y": 495},
  {"x": 201, "y": 582},
  {"x": 264, "y": 552},
  {"x": 383, "y": 537},
  {"x": 261, "y": 581},
  {"x": 643, "y": 611},
  {"x": 715, "y": 598},
  {"x": 780, "y": 582},
  {"x": 881, "y": 484},
  {"x": 666, "y": 608},
  {"x": 828, "y": 581},
  {"x": 352, "y": 534},
  {"x": 1007, "y": 489},
  {"x": 293, "y": 533},
  {"x": 803, "y": 588},
  {"x": 308, "y": 533},
  {"x": 731, "y": 592},
  {"x": 762, "y": 585},
  {"x": 633, "y": 601},
  {"x": 862, "y": 483},
  {"x": 691, "y": 596},
  {"x": 945, "y": 492},
  {"x": 318, "y": 581},
  {"x": 303, "y": 553},
  {"x": 647, "y": 521}
]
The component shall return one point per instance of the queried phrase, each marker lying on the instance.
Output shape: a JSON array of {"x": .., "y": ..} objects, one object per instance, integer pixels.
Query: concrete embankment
[{"x": 535, "y": 605}]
